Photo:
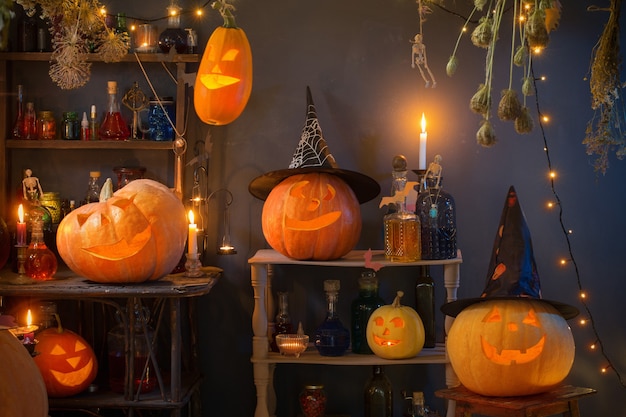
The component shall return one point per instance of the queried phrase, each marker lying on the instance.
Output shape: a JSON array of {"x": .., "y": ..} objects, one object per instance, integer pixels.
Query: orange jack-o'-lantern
[
  {"x": 224, "y": 78},
  {"x": 510, "y": 347},
  {"x": 312, "y": 216},
  {"x": 139, "y": 234},
  {"x": 66, "y": 361},
  {"x": 22, "y": 391},
  {"x": 395, "y": 331}
]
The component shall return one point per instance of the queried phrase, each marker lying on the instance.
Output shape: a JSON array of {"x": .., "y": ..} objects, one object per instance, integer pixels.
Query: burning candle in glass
[
  {"x": 21, "y": 227},
  {"x": 423, "y": 137},
  {"x": 192, "y": 244}
]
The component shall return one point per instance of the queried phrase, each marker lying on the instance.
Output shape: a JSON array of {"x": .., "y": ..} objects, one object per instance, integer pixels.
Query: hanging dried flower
[
  {"x": 509, "y": 107},
  {"x": 521, "y": 55},
  {"x": 528, "y": 86},
  {"x": 524, "y": 122},
  {"x": 479, "y": 4},
  {"x": 113, "y": 46},
  {"x": 483, "y": 33},
  {"x": 481, "y": 101},
  {"x": 486, "y": 136},
  {"x": 451, "y": 67},
  {"x": 536, "y": 32}
]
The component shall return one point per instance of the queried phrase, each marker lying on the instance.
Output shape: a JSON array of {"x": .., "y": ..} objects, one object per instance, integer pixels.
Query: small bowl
[{"x": 292, "y": 344}]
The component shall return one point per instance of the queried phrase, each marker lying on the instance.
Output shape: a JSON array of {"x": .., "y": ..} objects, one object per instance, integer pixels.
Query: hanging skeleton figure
[{"x": 419, "y": 60}]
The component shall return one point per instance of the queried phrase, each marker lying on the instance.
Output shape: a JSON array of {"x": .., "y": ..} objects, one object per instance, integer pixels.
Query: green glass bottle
[
  {"x": 362, "y": 308},
  {"x": 378, "y": 395}
]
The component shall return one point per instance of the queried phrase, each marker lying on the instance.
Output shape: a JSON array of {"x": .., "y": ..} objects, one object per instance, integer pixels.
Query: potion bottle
[
  {"x": 30, "y": 122},
  {"x": 378, "y": 394},
  {"x": 425, "y": 304},
  {"x": 174, "y": 36},
  {"x": 41, "y": 263},
  {"x": 283, "y": 323},
  {"x": 332, "y": 338},
  {"x": 93, "y": 189},
  {"x": 113, "y": 126},
  {"x": 362, "y": 308},
  {"x": 18, "y": 127}
]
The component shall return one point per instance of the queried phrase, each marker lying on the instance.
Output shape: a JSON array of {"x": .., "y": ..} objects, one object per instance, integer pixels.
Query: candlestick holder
[
  {"x": 21, "y": 277},
  {"x": 193, "y": 266},
  {"x": 421, "y": 173}
]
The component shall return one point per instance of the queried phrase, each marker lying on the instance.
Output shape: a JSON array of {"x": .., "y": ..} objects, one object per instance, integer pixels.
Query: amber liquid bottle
[{"x": 113, "y": 127}]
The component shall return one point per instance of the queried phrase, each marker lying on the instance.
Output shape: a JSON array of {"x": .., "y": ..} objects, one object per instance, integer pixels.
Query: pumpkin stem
[
  {"x": 396, "y": 301},
  {"x": 59, "y": 325},
  {"x": 225, "y": 10}
]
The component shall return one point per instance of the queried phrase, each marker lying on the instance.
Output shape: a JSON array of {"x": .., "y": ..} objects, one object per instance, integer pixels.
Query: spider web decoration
[{"x": 312, "y": 150}]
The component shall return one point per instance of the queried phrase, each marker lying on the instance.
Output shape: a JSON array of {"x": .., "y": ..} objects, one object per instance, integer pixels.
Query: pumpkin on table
[
  {"x": 137, "y": 235},
  {"x": 22, "y": 390},
  {"x": 395, "y": 331}
]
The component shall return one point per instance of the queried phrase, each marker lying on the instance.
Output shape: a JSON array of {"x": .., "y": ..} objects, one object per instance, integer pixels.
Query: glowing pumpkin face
[
  {"x": 66, "y": 361},
  {"x": 510, "y": 347},
  {"x": 138, "y": 234},
  {"x": 395, "y": 331},
  {"x": 312, "y": 216}
]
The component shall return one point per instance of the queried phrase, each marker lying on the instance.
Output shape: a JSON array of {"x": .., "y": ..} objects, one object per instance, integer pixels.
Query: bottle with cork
[{"x": 113, "y": 126}]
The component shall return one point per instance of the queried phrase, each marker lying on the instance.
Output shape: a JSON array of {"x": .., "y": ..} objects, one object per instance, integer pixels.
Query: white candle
[
  {"x": 192, "y": 245},
  {"x": 423, "y": 137},
  {"x": 21, "y": 227}
]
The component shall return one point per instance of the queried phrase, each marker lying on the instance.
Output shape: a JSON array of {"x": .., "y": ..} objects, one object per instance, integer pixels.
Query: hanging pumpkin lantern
[
  {"x": 224, "y": 79},
  {"x": 138, "y": 234},
  {"x": 312, "y": 216},
  {"x": 66, "y": 361},
  {"x": 395, "y": 331},
  {"x": 22, "y": 391},
  {"x": 510, "y": 347}
]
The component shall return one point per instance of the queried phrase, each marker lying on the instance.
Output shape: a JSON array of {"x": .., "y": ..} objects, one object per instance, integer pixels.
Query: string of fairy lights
[{"x": 196, "y": 11}]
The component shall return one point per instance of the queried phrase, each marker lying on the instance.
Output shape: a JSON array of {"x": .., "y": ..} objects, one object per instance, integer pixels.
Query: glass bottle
[
  {"x": 116, "y": 345},
  {"x": 120, "y": 27},
  {"x": 18, "y": 127},
  {"x": 331, "y": 337},
  {"x": 407, "y": 404},
  {"x": 37, "y": 212},
  {"x": 113, "y": 125},
  {"x": 85, "y": 132},
  {"x": 436, "y": 211},
  {"x": 160, "y": 113},
  {"x": 401, "y": 228},
  {"x": 174, "y": 36},
  {"x": 419, "y": 409},
  {"x": 378, "y": 395},
  {"x": 93, "y": 189},
  {"x": 362, "y": 308},
  {"x": 40, "y": 264},
  {"x": 312, "y": 401},
  {"x": 425, "y": 304},
  {"x": 46, "y": 125},
  {"x": 30, "y": 121},
  {"x": 70, "y": 126},
  {"x": 94, "y": 126},
  {"x": 283, "y": 324}
]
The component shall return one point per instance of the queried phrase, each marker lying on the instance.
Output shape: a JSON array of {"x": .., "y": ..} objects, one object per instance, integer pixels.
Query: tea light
[
  {"x": 146, "y": 38},
  {"x": 292, "y": 344},
  {"x": 26, "y": 333}
]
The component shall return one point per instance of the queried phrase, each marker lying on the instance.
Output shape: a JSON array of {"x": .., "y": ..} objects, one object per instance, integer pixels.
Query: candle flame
[
  {"x": 190, "y": 217},
  {"x": 20, "y": 213},
  {"x": 423, "y": 123},
  {"x": 29, "y": 318}
]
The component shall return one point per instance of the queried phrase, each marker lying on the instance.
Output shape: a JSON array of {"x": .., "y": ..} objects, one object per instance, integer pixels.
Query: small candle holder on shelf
[
  {"x": 193, "y": 266},
  {"x": 421, "y": 173},
  {"x": 21, "y": 277},
  {"x": 291, "y": 344}
]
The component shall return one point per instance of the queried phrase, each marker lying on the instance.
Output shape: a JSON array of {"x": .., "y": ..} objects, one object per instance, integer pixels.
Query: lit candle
[
  {"x": 193, "y": 235},
  {"x": 21, "y": 227},
  {"x": 423, "y": 136},
  {"x": 29, "y": 336}
]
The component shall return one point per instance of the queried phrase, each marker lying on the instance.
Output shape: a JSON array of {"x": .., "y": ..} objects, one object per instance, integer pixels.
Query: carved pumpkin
[
  {"x": 395, "y": 331},
  {"x": 22, "y": 391},
  {"x": 510, "y": 347},
  {"x": 66, "y": 361},
  {"x": 139, "y": 234},
  {"x": 224, "y": 78},
  {"x": 312, "y": 216}
]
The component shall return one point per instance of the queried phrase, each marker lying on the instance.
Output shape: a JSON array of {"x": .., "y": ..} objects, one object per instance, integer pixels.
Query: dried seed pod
[
  {"x": 536, "y": 32},
  {"x": 483, "y": 33},
  {"x": 528, "y": 87},
  {"x": 486, "y": 136},
  {"x": 521, "y": 53},
  {"x": 509, "y": 107},
  {"x": 481, "y": 101},
  {"x": 451, "y": 67},
  {"x": 524, "y": 123},
  {"x": 479, "y": 4}
]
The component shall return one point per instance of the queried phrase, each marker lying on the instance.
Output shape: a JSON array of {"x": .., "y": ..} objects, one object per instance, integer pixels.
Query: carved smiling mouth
[
  {"x": 71, "y": 379},
  {"x": 385, "y": 342},
  {"x": 313, "y": 224},
  {"x": 512, "y": 356}
]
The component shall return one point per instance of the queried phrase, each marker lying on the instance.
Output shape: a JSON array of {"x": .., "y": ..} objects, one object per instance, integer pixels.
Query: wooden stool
[{"x": 562, "y": 400}]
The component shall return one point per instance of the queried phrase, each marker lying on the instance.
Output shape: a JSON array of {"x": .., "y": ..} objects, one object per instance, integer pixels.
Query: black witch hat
[
  {"x": 312, "y": 155},
  {"x": 512, "y": 270}
]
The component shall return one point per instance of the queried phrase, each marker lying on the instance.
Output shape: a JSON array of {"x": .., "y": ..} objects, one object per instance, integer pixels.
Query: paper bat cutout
[{"x": 368, "y": 261}]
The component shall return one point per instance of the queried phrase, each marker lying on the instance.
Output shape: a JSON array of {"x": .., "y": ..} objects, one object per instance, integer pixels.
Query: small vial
[{"x": 85, "y": 133}]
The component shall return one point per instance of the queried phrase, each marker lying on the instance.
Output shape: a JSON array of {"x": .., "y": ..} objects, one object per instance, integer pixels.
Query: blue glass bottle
[{"x": 331, "y": 337}]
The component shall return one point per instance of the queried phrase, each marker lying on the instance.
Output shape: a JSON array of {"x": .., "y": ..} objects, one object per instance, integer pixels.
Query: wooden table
[{"x": 562, "y": 400}]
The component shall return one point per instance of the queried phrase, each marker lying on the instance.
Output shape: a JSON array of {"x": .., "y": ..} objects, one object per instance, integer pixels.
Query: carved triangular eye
[
  {"x": 531, "y": 319},
  {"x": 493, "y": 316},
  {"x": 397, "y": 322},
  {"x": 330, "y": 192}
]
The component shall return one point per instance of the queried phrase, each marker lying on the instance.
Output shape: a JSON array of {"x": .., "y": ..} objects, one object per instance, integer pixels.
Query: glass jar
[
  {"x": 70, "y": 126},
  {"x": 159, "y": 117},
  {"x": 313, "y": 401},
  {"x": 437, "y": 214},
  {"x": 362, "y": 308},
  {"x": 46, "y": 126},
  {"x": 51, "y": 200}
]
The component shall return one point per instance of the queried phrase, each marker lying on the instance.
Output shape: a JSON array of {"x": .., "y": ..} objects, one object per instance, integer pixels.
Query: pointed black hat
[
  {"x": 512, "y": 270},
  {"x": 313, "y": 155}
]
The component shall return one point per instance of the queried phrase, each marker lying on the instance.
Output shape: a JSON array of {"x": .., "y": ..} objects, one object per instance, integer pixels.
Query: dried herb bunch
[
  {"x": 605, "y": 131},
  {"x": 77, "y": 27}
]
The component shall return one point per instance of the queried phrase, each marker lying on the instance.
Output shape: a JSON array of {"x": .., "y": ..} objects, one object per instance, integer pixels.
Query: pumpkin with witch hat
[
  {"x": 312, "y": 209},
  {"x": 510, "y": 341}
]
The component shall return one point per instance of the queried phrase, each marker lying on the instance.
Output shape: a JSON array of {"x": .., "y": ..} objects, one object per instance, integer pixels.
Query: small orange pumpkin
[
  {"x": 137, "y": 235},
  {"x": 66, "y": 361},
  {"x": 22, "y": 391},
  {"x": 224, "y": 79},
  {"x": 315, "y": 216},
  {"x": 510, "y": 347},
  {"x": 395, "y": 331}
]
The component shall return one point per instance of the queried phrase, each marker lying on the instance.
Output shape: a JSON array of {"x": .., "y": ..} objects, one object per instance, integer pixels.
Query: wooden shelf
[
  {"x": 131, "y": 57},
  {"x": 96, "y": 144}
]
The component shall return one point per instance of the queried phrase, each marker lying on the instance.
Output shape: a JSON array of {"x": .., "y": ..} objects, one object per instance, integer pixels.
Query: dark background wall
[{"x": 355, "y": 56}]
